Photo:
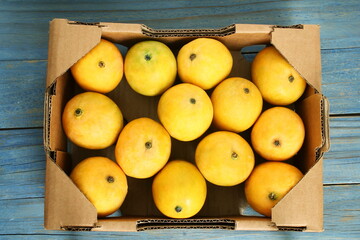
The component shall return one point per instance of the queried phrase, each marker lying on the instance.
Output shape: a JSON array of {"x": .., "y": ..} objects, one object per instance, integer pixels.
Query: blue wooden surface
[{"x": 23, "y": 54}]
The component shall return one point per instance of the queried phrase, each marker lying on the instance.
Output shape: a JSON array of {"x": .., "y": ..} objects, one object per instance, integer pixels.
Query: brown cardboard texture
[{"x": 225, "y": 208}]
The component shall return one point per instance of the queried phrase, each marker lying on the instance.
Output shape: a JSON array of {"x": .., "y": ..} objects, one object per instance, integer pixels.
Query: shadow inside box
[{"x": 220, "y": 201}]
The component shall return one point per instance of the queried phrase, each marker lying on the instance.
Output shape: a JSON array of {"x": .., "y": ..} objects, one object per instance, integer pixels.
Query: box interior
[{"x": 225, "y": 207}]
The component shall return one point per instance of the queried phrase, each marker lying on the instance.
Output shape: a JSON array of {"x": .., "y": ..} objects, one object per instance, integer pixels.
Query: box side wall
[
  {"x": 57, "y": 138},
  {"x": 234, "y": 36}
]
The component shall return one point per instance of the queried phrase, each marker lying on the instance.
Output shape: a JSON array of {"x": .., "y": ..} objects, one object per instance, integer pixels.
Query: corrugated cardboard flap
[
  {"x": 67, "y": 45},
  {"x": 301, "y": 47},
  {"x": 302, "y": 207},
  {"x": 65, "y": 205}
]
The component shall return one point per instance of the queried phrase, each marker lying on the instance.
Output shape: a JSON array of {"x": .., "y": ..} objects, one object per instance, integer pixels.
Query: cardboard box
[{"x": 67, "y": 208}]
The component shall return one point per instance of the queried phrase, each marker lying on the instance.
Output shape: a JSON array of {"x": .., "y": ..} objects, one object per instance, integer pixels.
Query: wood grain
[
  {"x": 22, "y": 164},
  {"x": 340, "y": 77},
  {"x": 23, "y": 54},
  {"x": 29, "y": 20},
  {"x": 22, "y": 88},
  {"x": 343, "y": 160}
]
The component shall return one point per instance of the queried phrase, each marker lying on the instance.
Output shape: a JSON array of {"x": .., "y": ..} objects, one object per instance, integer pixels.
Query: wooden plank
[
  {"x": 22, "y": 164},
  {"x": 340, "y": 77},
  {"x": 341, "y": 220},
  {"x": 29, "y": 20},
  {"x": 23, "y": 36},
  {"x": 22, "y": 88},
  {"x": 342, "y": 162}
]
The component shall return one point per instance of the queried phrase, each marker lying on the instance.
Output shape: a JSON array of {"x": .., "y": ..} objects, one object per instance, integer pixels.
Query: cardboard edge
[
  {"x": 248, "y": 223},
  {"x": 325, "y": 125},
  {"x": 311, "y": 204},
  {"x": 254, "y": 28},
  {"x": 132, "y": 224},
  {"x": 188, "y": 223},
  {"x": 301, "y": 41},
  {"x": 64, "y": 34},
  {"x": 59, "y": 207},
  {"x": 225, "y": 223}
]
